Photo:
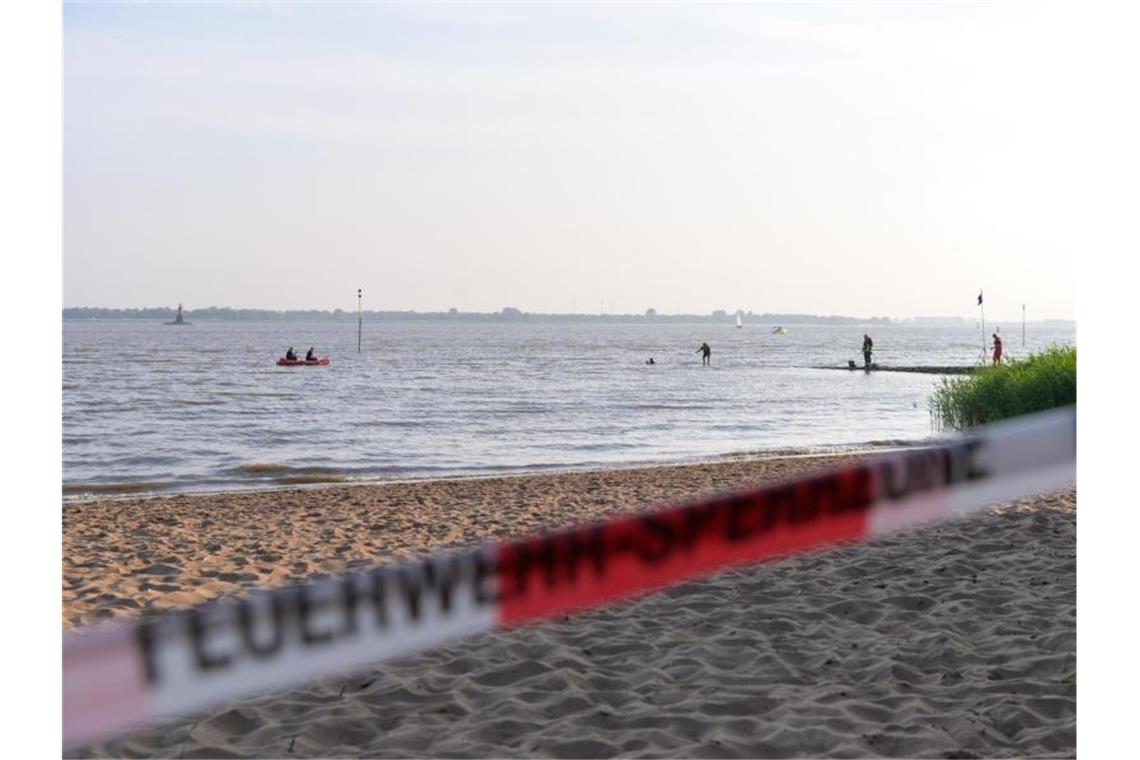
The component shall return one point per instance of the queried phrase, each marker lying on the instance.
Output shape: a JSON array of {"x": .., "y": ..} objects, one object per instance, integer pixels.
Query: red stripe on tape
[{"x": 597, "y": 564}]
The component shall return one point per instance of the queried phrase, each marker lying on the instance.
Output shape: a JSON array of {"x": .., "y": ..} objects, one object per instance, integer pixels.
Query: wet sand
[{"x": 957, "y": 641}]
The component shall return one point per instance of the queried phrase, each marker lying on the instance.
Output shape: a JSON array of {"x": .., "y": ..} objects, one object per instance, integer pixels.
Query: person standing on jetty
[
  {"x": 868, "y": 346},
  {"x": 706, "y": 354},
  {"x": 997, "y": 350}
]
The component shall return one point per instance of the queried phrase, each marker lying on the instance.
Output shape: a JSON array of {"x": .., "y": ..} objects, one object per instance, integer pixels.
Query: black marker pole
[{"x": 359, "y": 317}]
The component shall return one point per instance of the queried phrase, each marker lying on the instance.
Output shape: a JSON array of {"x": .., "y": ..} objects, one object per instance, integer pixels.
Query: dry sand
[{"x": 957, "y": 641}]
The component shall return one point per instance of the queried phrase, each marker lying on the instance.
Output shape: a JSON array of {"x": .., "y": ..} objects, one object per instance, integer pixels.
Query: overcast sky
[{"x": 836, "y": 159}]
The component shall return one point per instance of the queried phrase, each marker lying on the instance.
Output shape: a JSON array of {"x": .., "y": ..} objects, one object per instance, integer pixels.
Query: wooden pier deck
[{"x": 945, "y": 370}]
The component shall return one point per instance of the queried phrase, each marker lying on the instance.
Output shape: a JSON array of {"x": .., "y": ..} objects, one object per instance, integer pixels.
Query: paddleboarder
[
  {"x": 706, "y": 354},
  {"x": 868, "y": 346}
]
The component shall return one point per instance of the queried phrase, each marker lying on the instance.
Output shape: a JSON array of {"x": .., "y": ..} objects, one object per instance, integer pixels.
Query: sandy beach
[{"x": 956, "y": 641}]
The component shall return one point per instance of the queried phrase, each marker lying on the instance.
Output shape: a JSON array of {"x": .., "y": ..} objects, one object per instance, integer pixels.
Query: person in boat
[
  {"x": 311, "y": 356},
  {"x": 868, "y": 346},
  {"x": 997, "y": 349},
  {"x": 706, "y": 354},
  {"x": 291, "y": 355},
  {"x": 651, "y": 361}
]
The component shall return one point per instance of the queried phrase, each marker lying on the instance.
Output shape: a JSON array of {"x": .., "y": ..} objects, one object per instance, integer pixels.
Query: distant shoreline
[{"x": 510, "y": 315}]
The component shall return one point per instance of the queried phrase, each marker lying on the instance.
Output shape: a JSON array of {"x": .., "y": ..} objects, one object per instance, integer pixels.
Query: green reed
[{"x": 1044, "y": 380}]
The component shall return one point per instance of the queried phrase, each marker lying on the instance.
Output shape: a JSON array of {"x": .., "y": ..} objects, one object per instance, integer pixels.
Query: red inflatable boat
[{"x": 302, "y": 363}]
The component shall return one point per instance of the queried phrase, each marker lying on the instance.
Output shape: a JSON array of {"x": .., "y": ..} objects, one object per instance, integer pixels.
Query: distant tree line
[{"x": 508, "y": 314}]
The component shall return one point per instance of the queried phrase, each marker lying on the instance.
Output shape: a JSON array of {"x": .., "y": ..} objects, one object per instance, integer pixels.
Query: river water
[{"x": 154, "y": 408}]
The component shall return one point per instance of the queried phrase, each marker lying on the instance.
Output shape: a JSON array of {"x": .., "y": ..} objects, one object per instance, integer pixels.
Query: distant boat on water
[
  {"x": 178, "y": 319},
  {"x": 739, "y": 322},
  {"x": 779, "y": 331}
]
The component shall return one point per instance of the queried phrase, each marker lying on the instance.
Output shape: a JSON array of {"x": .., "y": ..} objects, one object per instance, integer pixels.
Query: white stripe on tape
[{"x": 274, "y": 640}]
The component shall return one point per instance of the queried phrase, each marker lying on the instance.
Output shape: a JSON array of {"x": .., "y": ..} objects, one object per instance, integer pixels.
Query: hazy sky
[{"x": 837, "y": 159}]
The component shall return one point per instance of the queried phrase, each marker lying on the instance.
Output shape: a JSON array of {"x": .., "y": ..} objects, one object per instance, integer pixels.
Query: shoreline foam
[{"x": 131, "y": 490}]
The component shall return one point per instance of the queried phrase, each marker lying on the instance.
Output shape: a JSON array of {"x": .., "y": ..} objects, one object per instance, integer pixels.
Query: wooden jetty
[{"x": 923, "y": 370}]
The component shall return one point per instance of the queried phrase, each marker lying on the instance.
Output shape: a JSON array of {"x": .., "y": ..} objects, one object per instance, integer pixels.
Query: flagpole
[
  {"x": 982, "y": 307},
  {"x": 359, "y": 317}
]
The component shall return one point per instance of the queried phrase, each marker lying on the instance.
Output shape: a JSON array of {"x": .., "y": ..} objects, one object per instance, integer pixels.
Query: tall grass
[{"x": 1042, "y": 381}]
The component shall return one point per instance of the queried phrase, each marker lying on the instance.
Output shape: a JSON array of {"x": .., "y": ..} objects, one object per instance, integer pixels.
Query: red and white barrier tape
[{"x": 129, "y": 676}]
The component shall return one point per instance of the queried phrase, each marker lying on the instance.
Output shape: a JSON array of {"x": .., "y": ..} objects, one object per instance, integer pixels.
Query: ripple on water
[{"x": 128, "y": 487}]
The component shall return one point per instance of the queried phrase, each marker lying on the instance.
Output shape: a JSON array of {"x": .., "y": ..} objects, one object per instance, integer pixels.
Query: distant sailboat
[
  {"x": 739, "y": 322},
  {"x": 779, "y": 331},
  {"x": 178, "y": 319}
]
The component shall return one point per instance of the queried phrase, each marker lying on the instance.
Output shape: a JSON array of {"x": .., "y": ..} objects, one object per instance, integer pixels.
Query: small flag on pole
[{"x": 979, "y": 298}]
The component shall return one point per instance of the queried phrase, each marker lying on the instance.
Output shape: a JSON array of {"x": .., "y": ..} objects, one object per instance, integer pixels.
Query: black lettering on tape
[
  {"x": 928, "y": 469},
  {"x": 892, "y": 476},
  {"x": 145, "y": 636},
  {"x": 747, "y": 516},
  {"x": 307, "y": 605},
  {"x": 696, "y": 519},
  {"x": 247, "y": 623},
  {"x": 974, "y": 468},
  {"x": 855, "y": 490},
  {"x": 920, "y": 472},
  {"x": 586, "y": 544},
  {"x": 442, "y": 577},
  {"x": 547, "y": 557},
  {"x": 485, "y": 570},
  {"x": 411, "y": 586},
  {"x": 349, "y": 597},
  {"x": 942, "y": 461},
  {"x": 198, "y": 626},
  {"x": 781, "y": 506},
  {"x": 437, "y": 577},
  {"x": 658, "y": 539},
  {"x": 803, "y": 506},
  {"x": 956, "y": 464},
  {"x": 827, "y": 494},
  {"x": 517, "y": 567},
  {"x": 378, "y": 596}
]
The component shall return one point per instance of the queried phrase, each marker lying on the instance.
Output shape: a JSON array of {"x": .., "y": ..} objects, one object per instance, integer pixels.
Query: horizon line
[{"x": 512, "y": 312}]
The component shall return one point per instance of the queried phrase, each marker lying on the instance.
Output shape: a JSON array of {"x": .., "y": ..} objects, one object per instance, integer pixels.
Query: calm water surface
[{"x": 148, "y": 407}]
